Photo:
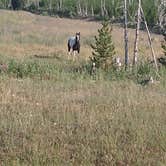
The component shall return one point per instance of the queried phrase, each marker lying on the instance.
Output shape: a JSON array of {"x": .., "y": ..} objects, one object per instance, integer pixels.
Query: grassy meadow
[{"x": 53, "y": 112}]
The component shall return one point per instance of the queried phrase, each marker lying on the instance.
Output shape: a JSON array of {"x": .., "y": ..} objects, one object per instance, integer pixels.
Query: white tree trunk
[
  {"x": 102, "y": 10},
  {"x": 126, "y": 34},
  {"x": 135, "y": 58},
  {"x": 150, "y": 41},
  {"x": 92, "y": 11}
]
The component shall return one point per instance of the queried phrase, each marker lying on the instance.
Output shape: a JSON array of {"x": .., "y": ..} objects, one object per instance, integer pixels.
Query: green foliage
[
  {"x": 32, "y": 7},
  {"x": 17, "y": 4},
  {"x": 29, "y": 69},
  {"x": 132, "y": 8},
  {"x": 81, "y": 122},
  {"x": 103, "y": 49},
  {"x": 150, "y": 10},
  {"x": 71, "y": 8},
  {"x": 45, "y": 70}
]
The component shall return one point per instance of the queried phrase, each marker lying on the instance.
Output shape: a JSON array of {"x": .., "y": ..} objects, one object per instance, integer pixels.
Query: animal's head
[{"x": 78, "y": 36}]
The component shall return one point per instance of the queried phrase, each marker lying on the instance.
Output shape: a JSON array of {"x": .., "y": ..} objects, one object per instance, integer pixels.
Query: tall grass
[
  {"x": 54, "y": 112},
  {"x": 81, "y": 123}
]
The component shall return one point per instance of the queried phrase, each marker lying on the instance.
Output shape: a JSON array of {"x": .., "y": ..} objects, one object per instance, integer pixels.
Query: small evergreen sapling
[{"x": 103, "y": 49}]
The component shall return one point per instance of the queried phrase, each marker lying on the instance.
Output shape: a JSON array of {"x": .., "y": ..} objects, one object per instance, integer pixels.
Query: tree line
[{"x": 155, "y": 10}]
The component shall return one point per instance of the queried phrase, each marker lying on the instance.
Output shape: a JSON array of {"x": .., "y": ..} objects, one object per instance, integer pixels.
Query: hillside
[
  {"x": 27, "y": 34},
  {"x": 54, "y": 111}
]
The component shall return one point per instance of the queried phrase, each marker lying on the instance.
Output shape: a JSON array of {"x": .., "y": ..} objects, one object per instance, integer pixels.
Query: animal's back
[{"x": 71, "y": 41}]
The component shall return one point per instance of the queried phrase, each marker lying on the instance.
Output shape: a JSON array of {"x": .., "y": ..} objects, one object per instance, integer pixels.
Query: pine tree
[{"x": 103, "y": 49}]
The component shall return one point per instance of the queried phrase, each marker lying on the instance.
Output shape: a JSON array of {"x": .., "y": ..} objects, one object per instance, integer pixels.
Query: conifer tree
[{"x": 103, "y": 49}]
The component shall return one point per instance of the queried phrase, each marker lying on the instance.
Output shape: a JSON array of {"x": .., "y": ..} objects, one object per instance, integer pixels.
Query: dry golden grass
[
  {"x": 69, "y": 118},
  {"x": 75, "y": 123},
  {"x": 29, "y": 34}
]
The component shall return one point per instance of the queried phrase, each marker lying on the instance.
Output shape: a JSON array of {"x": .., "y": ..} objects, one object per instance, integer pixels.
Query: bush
[{"x": 29, "y": 69}]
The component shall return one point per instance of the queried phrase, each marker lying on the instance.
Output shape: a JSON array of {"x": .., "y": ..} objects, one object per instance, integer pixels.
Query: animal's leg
[
  {"x": 74, "y": 52},
  {"x": 78, "y": 50},
  {"x": 70, "y": 52},
  {"x": 73, "y": 55},
  {"x": 68, "y": 46}
]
